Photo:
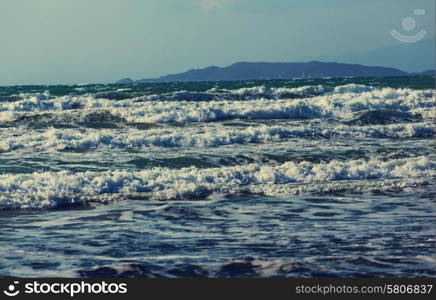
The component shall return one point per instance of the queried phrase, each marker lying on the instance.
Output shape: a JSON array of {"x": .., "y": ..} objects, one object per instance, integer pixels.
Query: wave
[
  {"x": 74, "y": 116},
  {"x": 258, "y": 267},
  {"x": 377, "y": 117},
  {"x": 251, "y": 93},
  {"x": 64, "y": 188},
  {"x": 239, "y": 267},
  {"x": 343, "y": 101},
  {"x": 200, "y": 136}
]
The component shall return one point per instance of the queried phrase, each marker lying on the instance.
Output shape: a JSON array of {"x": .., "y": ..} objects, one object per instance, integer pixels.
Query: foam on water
[
  {"x": 61, "y": 189},
  {"x": 199, "y": 136},
  {"x": 341, "y": 102},
  {"x": 278, "y": 179}
]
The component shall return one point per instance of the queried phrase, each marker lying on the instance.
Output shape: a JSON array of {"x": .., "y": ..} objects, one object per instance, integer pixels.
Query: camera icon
[
  {"x": 12, "y": 290},
  {"x": 408, "y": 24}
]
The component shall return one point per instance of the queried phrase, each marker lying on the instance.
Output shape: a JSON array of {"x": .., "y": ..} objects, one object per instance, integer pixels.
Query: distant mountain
[
  {"x": 266, "y": 70},
  {"x": 428, "y": 73},
  {"x": 125, "y": 81}
]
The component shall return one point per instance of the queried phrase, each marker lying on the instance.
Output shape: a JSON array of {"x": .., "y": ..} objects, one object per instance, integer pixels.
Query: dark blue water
[{"x": 386, "y": 234}]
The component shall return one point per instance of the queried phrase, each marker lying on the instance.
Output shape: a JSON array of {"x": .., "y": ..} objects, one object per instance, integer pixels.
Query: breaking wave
[
  {"x": 340, "y": 102},
  {"x": 63, "y": 189},
  {"x": 200, "y": 136}
]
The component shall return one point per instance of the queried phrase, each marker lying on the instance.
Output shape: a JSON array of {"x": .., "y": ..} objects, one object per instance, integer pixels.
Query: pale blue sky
[{"x": 82, "y": 41}]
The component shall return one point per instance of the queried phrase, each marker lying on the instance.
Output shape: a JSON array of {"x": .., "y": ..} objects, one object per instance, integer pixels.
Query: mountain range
[{"x": 272, "y": 70}]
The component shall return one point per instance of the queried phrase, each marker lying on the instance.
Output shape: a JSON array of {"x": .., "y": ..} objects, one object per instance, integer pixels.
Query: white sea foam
[
  {"x": 341, "y": 102},
  {"x": 198, "y": 136},
  {"x": 56, "y": 189}
]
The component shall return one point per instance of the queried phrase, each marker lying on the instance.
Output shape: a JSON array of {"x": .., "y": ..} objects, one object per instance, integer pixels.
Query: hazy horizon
[{"x": 66, "y": 42}]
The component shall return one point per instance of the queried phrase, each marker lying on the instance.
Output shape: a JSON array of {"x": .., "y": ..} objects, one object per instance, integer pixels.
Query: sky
[{"x": 100, "y": 41}]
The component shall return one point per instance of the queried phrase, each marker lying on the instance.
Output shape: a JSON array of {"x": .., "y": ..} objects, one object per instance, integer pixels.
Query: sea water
[{"x": 289, "y": 178}]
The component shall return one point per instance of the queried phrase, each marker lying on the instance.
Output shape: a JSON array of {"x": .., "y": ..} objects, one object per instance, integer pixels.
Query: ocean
[{"x": 275, "y": 178}]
